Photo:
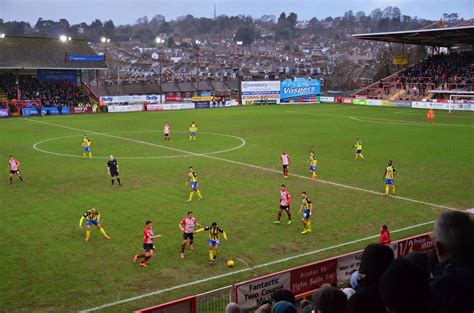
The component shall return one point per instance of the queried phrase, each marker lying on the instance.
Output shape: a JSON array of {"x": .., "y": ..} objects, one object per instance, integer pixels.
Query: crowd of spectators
[
  {"x": 50, "y": 93},
  {"x": 438, "y": 282}
]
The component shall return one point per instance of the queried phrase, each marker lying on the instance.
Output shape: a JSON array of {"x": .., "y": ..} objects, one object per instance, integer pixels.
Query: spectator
[
  {"x": 283, "y": 295},
  {"x": 453, "y": 286},
  {"x": 384, "y": 235},
  {"x": 232, "y": 308},
  {"x": 349, "y": 292},
  {"x": 330, "y": 300},
  {"x": 306, "y": 306},
  {"x": 375, "y": 259},
  {"x": 284, "y": 307},
  {"x": 420, "y": 260},
  {"x": 404, "y": 288},
  {"x": 264, "y": 308}
]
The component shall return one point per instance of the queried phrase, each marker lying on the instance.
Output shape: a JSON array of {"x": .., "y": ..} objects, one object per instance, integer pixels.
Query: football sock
[
  {"x": 102, "y": 230},
  {"x": 393, "y": 189},
  {"x": 315, "y": 175},
  {"x": 20, "y": 177},
  {"x": 191, "y": 195},
  {"x": 215, "y": 254},
  {"x": 146, "y": 259},
  {"x": 362, "y": 156},
  {"x": 113, "y": 181},
  {"x": 199, "y": 194},
  {"x": 190, "y": 138},
  {"x": 289, "y": 215},
  {"x": 309, "y": 224},
  {"x": 386, "y": 189},
  {"x": 279, "y": 216},
  {"x": 118, "y": 179},
  {"x": 141, "y": 255},
  {"x": 182, "y": 247},
  {"x": 88, "y": 234},
  {"x": 10, "y": 179},
  {"x": 211, "y": 255}
]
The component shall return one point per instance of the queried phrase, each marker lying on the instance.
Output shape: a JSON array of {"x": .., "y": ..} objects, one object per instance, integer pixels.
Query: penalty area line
[
  {"x": 250, "y": 165},
  {"x": 208, "y": 279}
]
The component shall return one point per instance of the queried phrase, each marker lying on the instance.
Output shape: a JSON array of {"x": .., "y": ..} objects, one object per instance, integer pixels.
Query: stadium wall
[{"x": 302, "y": 280}]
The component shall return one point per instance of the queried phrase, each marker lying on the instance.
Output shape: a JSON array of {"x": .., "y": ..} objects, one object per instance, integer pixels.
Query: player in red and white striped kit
[
  {"x": 285, "y": 162},
  {"x": 187, "y": 225},
  {"x": 166, "y": 132},
  {"x": 284, "y": 204},
  {"x": 14, "y": 168}
]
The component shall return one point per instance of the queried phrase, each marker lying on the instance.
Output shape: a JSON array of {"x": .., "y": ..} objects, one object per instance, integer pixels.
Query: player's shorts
[
  {"x": 306, "y": 215},
  {"x": 285, "y": 207},
  {"x": 213, "y": 242},
  {"x": 148, "y": 246},
  {"x": 389, "y": 182},
  {"x": 114, "y": 173},
  {"x": 167, "y": 134},
  {"x": 187, "y": 236},
  {"x": 312, "y": 168},
  {"x": 87, "y": 149},
  {"x": 285, "y": 166},
  {"x": 194, "y": 185},
  {"x": 15, "y": 172},
  {"x": 358, "y": 151},
  {"x": 89, "y": 222},
  {"x": 192, "y": 133}
]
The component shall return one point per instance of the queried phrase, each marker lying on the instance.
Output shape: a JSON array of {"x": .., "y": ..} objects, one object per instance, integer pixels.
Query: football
[{"x": 230, "y": 263}]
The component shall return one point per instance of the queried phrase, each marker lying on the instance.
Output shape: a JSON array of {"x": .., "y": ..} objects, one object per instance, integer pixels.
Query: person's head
[
  {"x": 214, "y": 225},
  {"x": 283, "y": 187},
  {"x": 311, "y": 153},
  {"x": 94, "y": 210},
  {"x": 303, "y": 195},
  {"x": 284, "y": 152},
  {"x": 329, "y": 299},
  {"x": 375, "y": 259},
  {"x": 111, "y": 157},
  {"x": 404, "y": 288},
  {"x": 284, "y": 307},
  {"x": 389, "y": 162},
  {"x": 190, "y": 213},
  {"x": 232, "y": 308},
  {"x": 384, "y": 227},
  {"x": 264, "y": 308},
  {"x": 453, "y": 235},
  {"x": 11, "y": 157},
  {"x": 148, "y": 224},
  {"x": 283, "y": 295},
  {"x": 190, "y": 169},
  {"x": 420, "y": 260}
]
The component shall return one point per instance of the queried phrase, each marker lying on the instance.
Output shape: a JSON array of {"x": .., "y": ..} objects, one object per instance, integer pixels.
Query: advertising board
[
  {"x": 130, "y": 99},
  {"x": 260, "y": 92},
  {"x": 125, "y": 108},
  {"x": 300, "y": 90}
]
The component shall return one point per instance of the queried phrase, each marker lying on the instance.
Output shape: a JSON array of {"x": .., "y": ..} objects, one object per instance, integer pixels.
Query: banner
[
  {"x": 174, "y": 106},
  {"x": 396, "y": 103},
  {"x": 80, "y": 110},
  {"x": 311, "y": 277},
  {"x": 254, "y": 293},
  {"x": 327, "y": 99},
  {"x": 130, "y": 99},
  {"x": 346, "y": 265},
  {"x": 347, "y": 100},
  {"x": 173, "y": 98},
  {"x": 85, "y": 58},
  {"x": 202, "y": 98},
  {"x": 44, "y": 111},
  {"x": 299, "y": 90},
  {"x": 125, "y": 108},
  {"x": 69, "y": 76},
  {"x": 4, "y": 113},
  {"x": 400, "y": 60},
  {"x": 202, "y": 105},
  {"x": 260, "y": 92},
  {"x": 374, "y": 102},
  {"x": 422, "y": 243},
  {"x": 359, "y": 101}
]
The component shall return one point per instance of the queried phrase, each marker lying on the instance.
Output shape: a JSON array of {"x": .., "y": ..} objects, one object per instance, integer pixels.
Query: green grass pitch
[{"x": 47, "y": 266}]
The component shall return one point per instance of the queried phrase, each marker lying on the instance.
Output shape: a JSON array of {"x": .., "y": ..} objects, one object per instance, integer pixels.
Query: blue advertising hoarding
[
  {"x": 4, "y": 113},
  {"x": 58, "y": 75},
  {"x": 44, "y": 111},
  {"x": 85, "y": 58},
  {"x": 299, "y": 90}
]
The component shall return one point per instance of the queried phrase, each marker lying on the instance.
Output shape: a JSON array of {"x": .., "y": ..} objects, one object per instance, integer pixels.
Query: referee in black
[{"x": 113, "y": 170}]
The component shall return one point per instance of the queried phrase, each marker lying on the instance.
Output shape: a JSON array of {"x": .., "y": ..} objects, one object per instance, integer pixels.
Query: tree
[
  {"x": 171, "y": 43},
  {"x": 360, "y": 15},
  {"x": 282, "y": 17},
  {"x": 376, "y": 14},
  {"x": 246, "y": 34},
  {"x": 292, "y": 20},
  {"x": 109, "y": 28}
]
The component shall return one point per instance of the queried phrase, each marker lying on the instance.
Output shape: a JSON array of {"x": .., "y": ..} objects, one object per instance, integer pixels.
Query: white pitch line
[
  {"x": 248, "y": 165},
  {"x": 402, "y": 122},
  {"x": 204, "y": 280},
  {"x": 422, "y": 114}
]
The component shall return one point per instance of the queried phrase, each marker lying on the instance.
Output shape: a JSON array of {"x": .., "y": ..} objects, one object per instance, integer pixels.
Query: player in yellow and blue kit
[
  {"x": 192, "y": 179},
  {"x": 86, "y": 147},
  {"x": 358, "y": 147},
  {"x": 307, "y": 208},
  {"x": 92, "y": 217},
  {"x": 193, "y": 131},
  {"x": 312, "y": 165},
  {"x": 389, "y": 176},
  {"x": 213, "y": 240}
]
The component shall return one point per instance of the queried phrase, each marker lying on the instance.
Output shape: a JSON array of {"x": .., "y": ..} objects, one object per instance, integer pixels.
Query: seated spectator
[
  {"x": 384, "y": 235},
  {"x": 306, "y": 306},
  {"x": 232, "y": 308},
  {"x": 375, "y": 260},
  {"x": 264, "y": 308},
  {"x": 420, "y": 260},
  {"x": 453, "y": 286},
  {"x": 330, "y": 300},
  {"x": 283, "y": 295},
  {"x": 404, "y": 288},
  {"x": 284, "y": 307}
]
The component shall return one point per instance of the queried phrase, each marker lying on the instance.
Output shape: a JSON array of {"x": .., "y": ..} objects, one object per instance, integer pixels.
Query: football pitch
[{"x": 47, "y": 266}]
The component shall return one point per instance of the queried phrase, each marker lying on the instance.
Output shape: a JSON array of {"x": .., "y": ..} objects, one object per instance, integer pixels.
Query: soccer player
[
  {"x": 389, "y": 176},
  {"x": 148, "y": 245},
  {"x": 14, "y": 168},
  {"x": 113, "y": 170},
  {"x": 187, "y": 225},
  {"x": 192, "y": 179},
  {"x": 92, "y": 216},
  {"x": 213, "y": 240},
  {"x": 166, "y": 132},
  {"x": 358, "y": 147},
  {"x": 430, "y": 116},
  {"x": 312, "y": 165},
  {"x": 285, "y": 162},
  {"x": 86, "y": 147},
  {"x": 193, "y": 131},
  {"x": 307, "y": 208},
  {"x": 284, "y": 204}
]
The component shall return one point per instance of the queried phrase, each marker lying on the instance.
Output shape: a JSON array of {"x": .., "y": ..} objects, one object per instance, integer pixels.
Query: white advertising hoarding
[
  {"x": 256, "y": 92},
  {"x": 125, "y": 108}
]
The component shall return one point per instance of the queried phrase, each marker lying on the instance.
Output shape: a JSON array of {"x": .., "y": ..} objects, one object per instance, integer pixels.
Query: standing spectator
[
  {"x": 284, "y": 307},
  {"x": 330, "y": 300},
  {"x": 453, "y": 287},
  {"x": 264, "y": 308},
  {"x": 384, "y": 235},
  {"x": 232, "y": 308}
]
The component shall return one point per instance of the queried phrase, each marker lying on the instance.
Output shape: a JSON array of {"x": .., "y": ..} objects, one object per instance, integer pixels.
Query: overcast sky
[{"x": 128, "y": 11}]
